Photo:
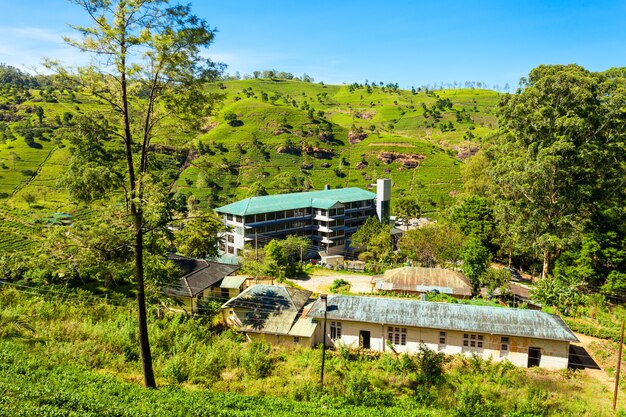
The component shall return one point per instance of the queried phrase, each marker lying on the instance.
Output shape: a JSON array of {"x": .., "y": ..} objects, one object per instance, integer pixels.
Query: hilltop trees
[{"x": 147, "y": 66}]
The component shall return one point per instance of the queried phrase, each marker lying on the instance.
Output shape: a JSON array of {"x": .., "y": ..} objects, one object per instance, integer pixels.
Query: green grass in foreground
[{"x": 81, "y": 359}]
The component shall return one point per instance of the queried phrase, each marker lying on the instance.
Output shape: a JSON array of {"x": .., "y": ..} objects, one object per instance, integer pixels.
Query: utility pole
[
  {"x": 619, "y": 365},
  {"x": 324, "y": 298}
]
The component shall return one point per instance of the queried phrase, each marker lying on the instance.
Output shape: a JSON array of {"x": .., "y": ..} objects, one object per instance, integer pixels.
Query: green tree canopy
[
  {"x": 407, "y": 208},
  {"x": 433, "y": 245},
  {"x": 200, "y": 236},
  {"x": 148, "y": 67},
  {"x": 474, "y": 217},
  {"x": 560, "y": 155},
  {"x": 476, "y": 258}
]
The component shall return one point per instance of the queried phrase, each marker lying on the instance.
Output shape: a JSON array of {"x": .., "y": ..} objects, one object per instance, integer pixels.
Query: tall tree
[
  {"x": 148, "y": 68},
  {"x": 407, "y": 208},
  {"x": 200, "y": 237},
  {"x": 476, "y": 259},
  {"x": 561, "y": 154},
  {"x": 474, "y": 217}
]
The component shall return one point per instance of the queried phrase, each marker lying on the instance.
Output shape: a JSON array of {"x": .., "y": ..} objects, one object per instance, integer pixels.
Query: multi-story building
[{"x": 328, "y": 217}]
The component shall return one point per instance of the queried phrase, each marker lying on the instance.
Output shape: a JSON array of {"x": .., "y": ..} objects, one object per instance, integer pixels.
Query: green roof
[{"x": 318, "y": 199}]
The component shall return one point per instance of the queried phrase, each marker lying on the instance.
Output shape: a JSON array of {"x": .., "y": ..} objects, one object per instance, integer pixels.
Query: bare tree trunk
[
  {"x": 546, "y": 264},
  {"x": 144, "y": 343},
  {"x": 510, "y": 256}
]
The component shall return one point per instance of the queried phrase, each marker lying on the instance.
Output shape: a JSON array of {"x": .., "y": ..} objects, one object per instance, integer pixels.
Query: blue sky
[{"x": 408, "y": 42}]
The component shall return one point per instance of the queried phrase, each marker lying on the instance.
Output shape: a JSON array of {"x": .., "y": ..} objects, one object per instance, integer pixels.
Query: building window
[
  {"x": 397, "y": 335},
  {"x": 231, "y": 250},
  {"x": 335, "y": 330},
  {"x": 504, "y": 344},
  {"x": 231, "y": 239},
  {"x": 473, "y": 341},
  {"x": 225, "y": 293},
  {"x": 296, "y": 339},
  {"x": 442, "y": 338}
]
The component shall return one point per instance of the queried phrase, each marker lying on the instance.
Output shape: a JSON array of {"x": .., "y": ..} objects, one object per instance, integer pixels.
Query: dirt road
[{"x": 321, "y": 283}]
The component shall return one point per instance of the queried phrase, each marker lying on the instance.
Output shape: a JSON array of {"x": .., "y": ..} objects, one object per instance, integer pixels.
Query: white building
[
  {"x": 523, "y": 337},
  {"x": 327, "y": 217}
]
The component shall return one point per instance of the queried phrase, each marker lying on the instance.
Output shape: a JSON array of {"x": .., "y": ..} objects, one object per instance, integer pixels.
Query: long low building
[
  {"x": 328, "y": 217},
  {"x": 281, "y": 315},
  {"x": 523, "y": 337}
]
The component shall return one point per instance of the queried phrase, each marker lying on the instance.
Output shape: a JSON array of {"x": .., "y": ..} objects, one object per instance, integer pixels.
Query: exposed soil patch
[
  {"x": 366, "y": 115},
  {"x": 208, "y": 127},
  {"x": 408, "y": 160},
  {"x": 356, "y": 137},
  {"x": 463, "y": 152},
  {"x": 320, "y": 153}
]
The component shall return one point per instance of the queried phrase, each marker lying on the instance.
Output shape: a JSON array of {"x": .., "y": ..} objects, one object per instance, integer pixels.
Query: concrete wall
[
  {"x": 233, "y": 318},
  {"x": 554, "y": 354},
  {"x": 280, "y": 340},
  {"x": 217, "y": 292}
]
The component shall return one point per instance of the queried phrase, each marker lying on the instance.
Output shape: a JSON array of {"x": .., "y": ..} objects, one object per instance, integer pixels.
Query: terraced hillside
[
  {"x": 279, "y": 136},
  {"x": 268, "y": 136}
]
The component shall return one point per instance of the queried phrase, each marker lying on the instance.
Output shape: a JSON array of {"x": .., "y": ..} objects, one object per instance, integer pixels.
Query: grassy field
[
  {"x": 63, "y": 355},
  {"x": 289, "y": 135},
  {"x": 272, "y": 114}
]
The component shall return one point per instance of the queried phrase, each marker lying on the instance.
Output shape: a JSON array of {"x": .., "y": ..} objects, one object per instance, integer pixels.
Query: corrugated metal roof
[
  {"x": 199, "y": 275},
  {"x": 233, "y": 282},
  {"x": 279, "y": 202},
  {"x": 304, "y": 327},
  {"x": 445, "y": 316},
  {"x": 270, "y": 308},
  {"x": 425, "y": 280}
]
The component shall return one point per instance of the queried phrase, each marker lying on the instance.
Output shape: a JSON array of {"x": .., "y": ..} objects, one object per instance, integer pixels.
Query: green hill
[
  {"x": 289, "y": 134},
  {"x": 280, "y": 136}
]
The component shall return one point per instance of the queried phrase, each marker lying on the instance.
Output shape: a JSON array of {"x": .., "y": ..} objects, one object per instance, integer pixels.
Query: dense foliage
[{"x": 70, "y": 357}]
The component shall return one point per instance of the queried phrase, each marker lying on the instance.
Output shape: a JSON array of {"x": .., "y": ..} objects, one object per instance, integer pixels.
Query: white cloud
[{"x": 26, "y": 48}]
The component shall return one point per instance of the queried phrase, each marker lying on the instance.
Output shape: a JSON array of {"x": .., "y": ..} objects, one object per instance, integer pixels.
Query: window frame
[
  {"x": 473, "y": 342},
  {"x": 335, "y": 330},
  {"x": 397, "y": 335},
  {"x": 505, "y": 345}
]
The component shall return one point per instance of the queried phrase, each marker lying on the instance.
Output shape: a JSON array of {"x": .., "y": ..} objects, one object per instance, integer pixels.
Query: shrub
[
  {"x": 339, "y": 285},
  {"x": 470, "y": 402},
  {"x": 430, "y": 365},
  {"x": 176, "y": 369},
  {"x": 256, "y": 361}
]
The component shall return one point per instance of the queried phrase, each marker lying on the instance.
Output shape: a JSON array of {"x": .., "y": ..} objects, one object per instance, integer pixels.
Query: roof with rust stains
[
  {"x": 420, "y": 279},
  {"x": 445, "y": 316},
  {"x": 273, "y": 309}
]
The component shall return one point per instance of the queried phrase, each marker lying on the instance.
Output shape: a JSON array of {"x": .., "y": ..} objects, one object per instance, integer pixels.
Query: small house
[
  {"x": 418, "y": 280},
  {"x": 272, "y": 313},
  {"x": 202, "y": 279}
]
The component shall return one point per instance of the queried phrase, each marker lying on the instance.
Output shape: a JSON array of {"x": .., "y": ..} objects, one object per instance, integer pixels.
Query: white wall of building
[{"x": 554, "y": 354}]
